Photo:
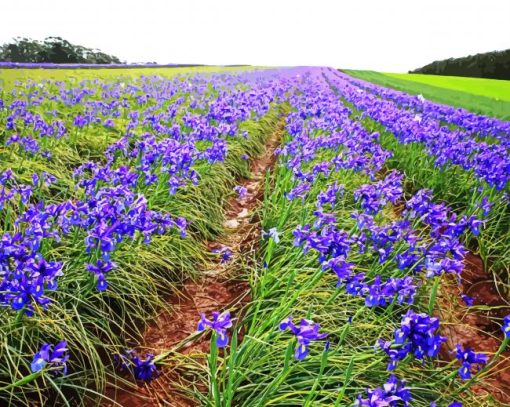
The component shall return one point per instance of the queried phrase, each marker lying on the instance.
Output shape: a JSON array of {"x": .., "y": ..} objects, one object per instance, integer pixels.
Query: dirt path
[
  {"x": 478, "y": 327},
  {"x": 222, "y": 286}
]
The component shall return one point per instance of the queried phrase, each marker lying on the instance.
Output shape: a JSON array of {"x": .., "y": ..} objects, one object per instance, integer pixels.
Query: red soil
[{"x": 478, "y": 327}]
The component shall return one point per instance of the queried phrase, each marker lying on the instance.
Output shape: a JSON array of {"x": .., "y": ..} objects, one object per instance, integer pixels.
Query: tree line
[
  {"x": 52, "y": 50},
  {"x": 494, "y": 65}
]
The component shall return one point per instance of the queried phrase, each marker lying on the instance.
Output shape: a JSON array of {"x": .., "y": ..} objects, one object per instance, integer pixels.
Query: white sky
[{"x": 384, "y": 35}]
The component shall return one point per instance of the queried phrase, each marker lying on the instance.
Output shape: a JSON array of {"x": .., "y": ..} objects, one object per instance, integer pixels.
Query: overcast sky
[{"x": 384, "y": 35}]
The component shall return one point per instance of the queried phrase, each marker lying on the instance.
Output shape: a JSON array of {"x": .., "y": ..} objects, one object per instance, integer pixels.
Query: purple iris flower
[
  {"x": 100, "y": 269},
  {"x": 241, "y": 192},
  {"x": 340, "y": 267},
  {"x": 220, "y": 323},
  {"x": 305, "y": 333},
  {"x": 506, "y": 326},
  {"x": 272, "y": 233},
  {"x": 416, "y": 336},
  {"x": 300, "y": 191},
  {"x": 374, "y": 197},
  {"x": 48, "y": 179},
  {"x": 469, "y": 301},
  {"x": 474, "y": 225},
  {"x": 142, "y": 368},
  {"x": 225, "y": 252},
  {"x": 330, "y": 195},
  {"x": 485, "y": 205},
  {"x": 41, "y": 358},
  {"x": 393, "y": 393},
  {"x": 51, "y": 356},
  {"x": 469, "y": 359}
]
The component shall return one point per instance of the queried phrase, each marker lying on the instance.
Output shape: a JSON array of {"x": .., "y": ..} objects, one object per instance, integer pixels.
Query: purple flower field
[{"x": 354, "y": 242}]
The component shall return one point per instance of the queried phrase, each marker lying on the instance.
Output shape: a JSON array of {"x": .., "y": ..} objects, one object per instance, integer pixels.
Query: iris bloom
[
  {"x": 142, "y": 368},
  {"x": 416, "y": 336},
  {"x": 469, "y": 301},
  {"x": 506, "y": 326},
  {"x": 100, "y": 269},
  {"x": 225, "y": 252},
  {"x": 273, "y": 233},
  {"x": 220, "y": 323},
  {"x": 53, "y": 356},
  {"x": 241, "y": 191},
  {"x": 392, "y": 393},
  {"x": 307, "y": 332},
  {"x": 468, "y": 359}
]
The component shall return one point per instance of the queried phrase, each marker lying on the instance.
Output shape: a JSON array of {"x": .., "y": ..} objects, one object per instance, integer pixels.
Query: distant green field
[
  {"x": 9, "y": 76},
  {"x": 484, "y": 96},
  {"x": 493, "y": 88}
]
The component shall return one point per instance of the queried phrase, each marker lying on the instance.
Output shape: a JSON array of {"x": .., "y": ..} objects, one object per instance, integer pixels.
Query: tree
[
  {"x": 53, "y": 50},
  {"x": 495, "y": 65}
]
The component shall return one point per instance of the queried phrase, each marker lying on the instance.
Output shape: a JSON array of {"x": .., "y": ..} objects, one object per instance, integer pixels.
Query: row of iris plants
[
  {"x": 461, "y": 157},
  {"x": 342, "y": 309},
  {"x": 108, "y": 190}
]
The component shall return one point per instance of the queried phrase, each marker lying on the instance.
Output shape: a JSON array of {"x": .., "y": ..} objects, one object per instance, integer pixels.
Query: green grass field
[
  {"x": 489, "y": 97},
  {"x": 493, "y": 88}
]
